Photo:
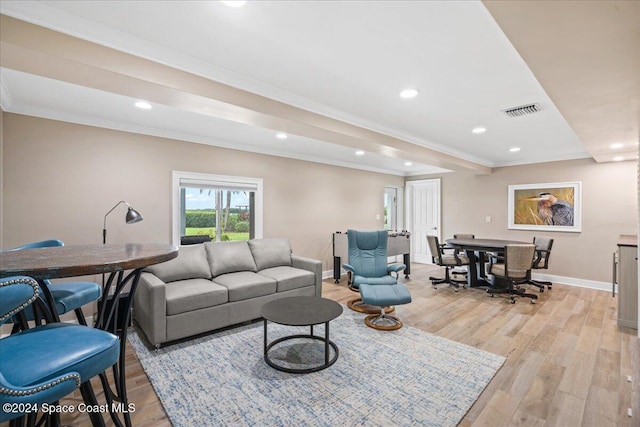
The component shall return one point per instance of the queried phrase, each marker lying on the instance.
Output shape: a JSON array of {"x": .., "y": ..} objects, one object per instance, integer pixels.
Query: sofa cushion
[
  {"x": 191, "y": 263},
  {"x": 244, "y": 285},
  {"x": 229, "y": 257},
  {"x": 194, "y": 294},
  {"x": 289, "y": 278},
  {"x": 269, "y": 253}
]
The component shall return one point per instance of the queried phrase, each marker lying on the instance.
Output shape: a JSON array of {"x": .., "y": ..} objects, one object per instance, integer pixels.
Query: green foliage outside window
[
  {"x": 242, "y": 227},
  {"x": 203, "y": 222},
  {"x": 200, "y": 218}
]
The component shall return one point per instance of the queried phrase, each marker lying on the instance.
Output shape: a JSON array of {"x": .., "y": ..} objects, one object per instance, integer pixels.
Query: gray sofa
[{"x": 217, "y": 284}]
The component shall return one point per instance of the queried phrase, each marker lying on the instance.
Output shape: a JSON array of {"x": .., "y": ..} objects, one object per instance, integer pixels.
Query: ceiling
[{"x": 329, "y": 73}]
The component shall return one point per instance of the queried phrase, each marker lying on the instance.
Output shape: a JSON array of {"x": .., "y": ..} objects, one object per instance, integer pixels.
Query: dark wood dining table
[
  {"x": 85, "y": 260},
  {"x": 476, "y": 250}
]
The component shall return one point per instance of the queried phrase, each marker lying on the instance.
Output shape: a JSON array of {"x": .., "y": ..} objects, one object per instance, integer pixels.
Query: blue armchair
[
  {"x": 45, "y": 363},
  {"x": 68, "y": 296},
  {"x": 375, "y": 280}
]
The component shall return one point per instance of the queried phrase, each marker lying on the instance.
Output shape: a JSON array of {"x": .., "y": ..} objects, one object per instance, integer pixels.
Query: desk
[
  {"x": 71, "y": 261},
  {"x": 477, "y": 276}
]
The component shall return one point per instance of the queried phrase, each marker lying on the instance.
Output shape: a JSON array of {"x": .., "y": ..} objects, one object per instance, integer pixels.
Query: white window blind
[{"x": 218, "y": 184}]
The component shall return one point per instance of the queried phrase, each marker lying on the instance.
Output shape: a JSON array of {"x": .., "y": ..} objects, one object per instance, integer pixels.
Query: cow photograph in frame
[{"x": 555, "y": 206}]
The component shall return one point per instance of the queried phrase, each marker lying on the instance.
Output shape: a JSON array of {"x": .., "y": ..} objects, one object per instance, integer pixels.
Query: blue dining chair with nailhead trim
[
  {"x": 45, "y": 363},
  {"x": 67, "y": 296}
]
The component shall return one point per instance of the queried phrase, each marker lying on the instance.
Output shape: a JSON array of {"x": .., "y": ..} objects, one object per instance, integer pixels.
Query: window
[{"x": 221, "y": 207}]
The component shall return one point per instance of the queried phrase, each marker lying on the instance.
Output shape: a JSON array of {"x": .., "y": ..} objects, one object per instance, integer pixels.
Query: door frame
[
  {"x": 409, "y": 191},
  {"x": 399, "y": 216},
  {"x": 399, "y": 205}
]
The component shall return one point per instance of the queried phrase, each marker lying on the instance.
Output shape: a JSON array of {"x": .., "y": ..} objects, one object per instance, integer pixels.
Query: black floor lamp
[{"x": 132, "y": 217}]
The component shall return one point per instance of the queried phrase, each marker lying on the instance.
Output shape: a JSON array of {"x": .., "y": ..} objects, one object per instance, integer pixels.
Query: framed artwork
[{"x": 555, "y": 206}]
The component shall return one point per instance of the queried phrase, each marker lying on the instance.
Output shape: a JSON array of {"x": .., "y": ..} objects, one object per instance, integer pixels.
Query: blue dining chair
[
  {"x": 45, "y": 363},
  {"x": 68, "y": 296}
]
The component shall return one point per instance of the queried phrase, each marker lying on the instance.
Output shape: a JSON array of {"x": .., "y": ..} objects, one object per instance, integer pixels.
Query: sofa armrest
[
  {"x": 312, "y": 265},
  {"x": 150, "y": 307}
]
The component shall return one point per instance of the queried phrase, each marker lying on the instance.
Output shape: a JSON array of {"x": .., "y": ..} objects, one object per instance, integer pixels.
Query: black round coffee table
[{"x": 301, "y": 311}]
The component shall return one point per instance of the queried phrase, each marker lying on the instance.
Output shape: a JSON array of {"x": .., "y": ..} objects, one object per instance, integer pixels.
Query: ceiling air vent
[{"x": 522, "y": 110}]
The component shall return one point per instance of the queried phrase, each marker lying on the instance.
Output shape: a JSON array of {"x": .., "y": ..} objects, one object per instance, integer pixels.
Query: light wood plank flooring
[{"x": 567, "y": 360}]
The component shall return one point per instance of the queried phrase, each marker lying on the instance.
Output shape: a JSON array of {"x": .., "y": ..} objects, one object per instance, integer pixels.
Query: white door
[{"x": 423, "y": 208}]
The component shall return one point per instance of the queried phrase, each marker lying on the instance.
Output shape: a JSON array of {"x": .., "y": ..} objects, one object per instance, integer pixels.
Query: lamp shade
[{"x": 133, "y": 216}]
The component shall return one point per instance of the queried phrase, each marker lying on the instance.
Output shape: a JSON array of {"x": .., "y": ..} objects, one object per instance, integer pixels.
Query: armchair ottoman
[{"x": 384, "y": 296}]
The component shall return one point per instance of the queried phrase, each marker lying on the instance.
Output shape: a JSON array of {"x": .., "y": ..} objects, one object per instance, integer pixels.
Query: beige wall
[
  {"x": 610, "y": 200},
  {"x": 61, "y": 178}
]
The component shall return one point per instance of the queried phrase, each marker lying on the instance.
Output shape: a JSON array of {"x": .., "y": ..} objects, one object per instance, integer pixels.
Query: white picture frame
[{"x": 553, "y": 206}]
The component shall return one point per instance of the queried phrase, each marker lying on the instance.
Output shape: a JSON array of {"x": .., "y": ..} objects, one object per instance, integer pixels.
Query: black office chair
[{"x": 447, "y": 261}]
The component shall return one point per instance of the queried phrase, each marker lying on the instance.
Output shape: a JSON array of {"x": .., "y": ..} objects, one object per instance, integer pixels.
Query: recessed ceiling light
[
  {"x": 409, "y": 93},
  {"x": 359, "y": 153},
  {"x": 617, "y": 145},
  {"x": 514, "y": 149},
  {"x": 408, "y": 163},
  {"x": 282, "y": 135},
  {"x": 234, "y": 3},
  {"x": 144, "y": 105},
  {"x": 479, "y": 130},
  {"x": 618, "y": 159}
]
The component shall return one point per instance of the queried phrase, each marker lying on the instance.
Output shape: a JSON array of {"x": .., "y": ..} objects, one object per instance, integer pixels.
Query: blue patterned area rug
[{"x": 400, "y": 378}]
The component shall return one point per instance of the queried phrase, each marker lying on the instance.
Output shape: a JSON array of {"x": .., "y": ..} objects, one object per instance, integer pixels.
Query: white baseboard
[
  {"x": 573, "y": 281},
  {"x": 329, "y": 274}
]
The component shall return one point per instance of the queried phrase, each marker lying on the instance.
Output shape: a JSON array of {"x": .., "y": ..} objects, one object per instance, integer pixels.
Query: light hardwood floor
[{"x": 567, "y": 360}]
